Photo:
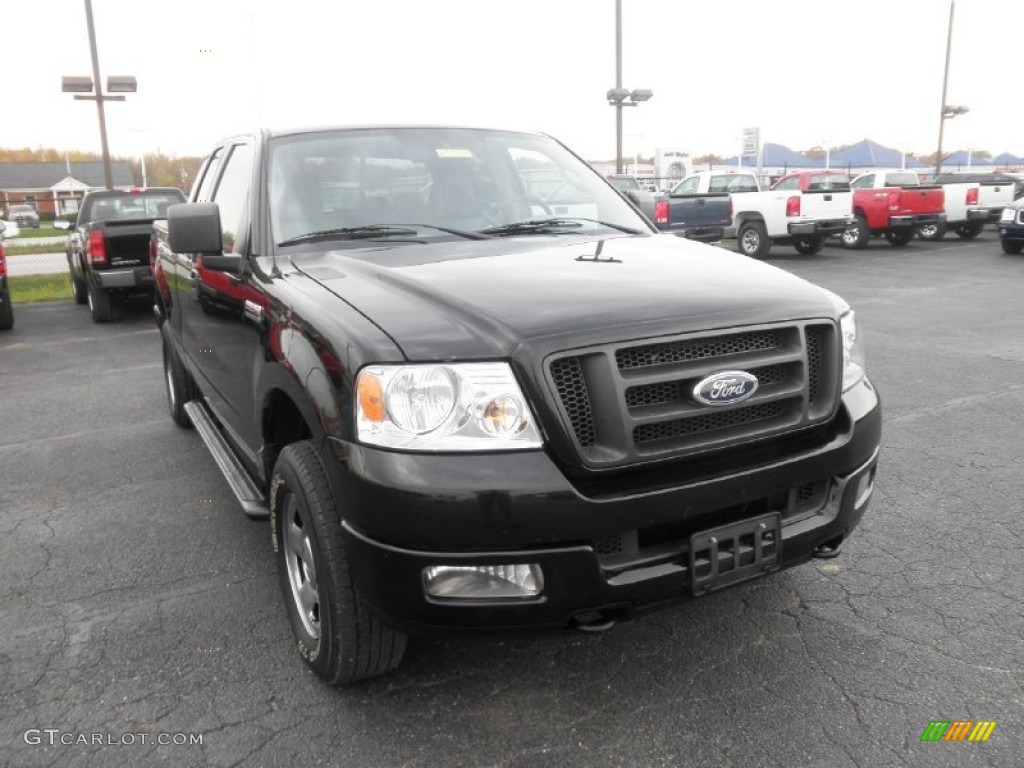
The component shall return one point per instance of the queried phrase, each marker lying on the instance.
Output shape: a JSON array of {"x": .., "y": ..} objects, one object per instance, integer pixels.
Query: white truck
[
  {"x": 801, "y": 209},
  {"x": 972, "y": 200}
]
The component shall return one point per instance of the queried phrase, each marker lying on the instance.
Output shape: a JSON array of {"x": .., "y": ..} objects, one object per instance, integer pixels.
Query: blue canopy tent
[
  {"x": 962, "y": 158},
  {"x": 871, "y": 154},
  {"x": 1007, "y": 159},
  {"x": 778, "y": 156}
]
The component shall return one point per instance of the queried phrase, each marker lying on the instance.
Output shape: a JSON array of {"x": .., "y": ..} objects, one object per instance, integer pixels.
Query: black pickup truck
[
  {"x": 461, "y": 411},
  {"x": 108, "y": 249}
]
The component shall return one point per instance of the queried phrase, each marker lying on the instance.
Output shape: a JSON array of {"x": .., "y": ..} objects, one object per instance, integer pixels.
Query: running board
[{"x": 253, "y": 503}]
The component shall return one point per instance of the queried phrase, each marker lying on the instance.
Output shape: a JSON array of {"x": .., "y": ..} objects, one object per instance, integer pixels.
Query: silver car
[{"x": 24, "y": 216}]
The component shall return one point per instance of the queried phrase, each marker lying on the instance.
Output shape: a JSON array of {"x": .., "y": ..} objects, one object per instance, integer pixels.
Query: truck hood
[{"x": 484, "y": 298}]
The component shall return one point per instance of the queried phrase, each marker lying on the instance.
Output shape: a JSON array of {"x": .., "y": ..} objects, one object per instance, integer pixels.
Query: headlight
[
  {"x": 1008, "y": 214},
  {"x": 853, "y": 351},
  {"x": 459, "y": 407}
]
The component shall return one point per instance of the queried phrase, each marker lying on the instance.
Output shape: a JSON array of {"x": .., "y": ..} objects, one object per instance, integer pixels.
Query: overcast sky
[{"x": 807, "y": 72}]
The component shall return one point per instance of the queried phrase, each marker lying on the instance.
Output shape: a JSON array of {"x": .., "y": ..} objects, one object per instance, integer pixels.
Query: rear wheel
[
  {"x": 79, "y": 289},
  {"x": 808, "y": 246},
  {"x": 338, "y": 635},
  {"x": 99, "y": 305},
  {"x": 970, "y": 230},
  {"x": 900, "y": 237},
  {"x": 752, "y": 240},
  {"x": 6, "y": 314},
  {"x": 932, "y": 232},
  {"x": 856, "y": 234},
  {"x": 1011, "y": 247}
]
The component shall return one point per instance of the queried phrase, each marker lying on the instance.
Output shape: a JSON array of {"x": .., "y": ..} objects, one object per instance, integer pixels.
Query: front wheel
[
  {"x": 180, "y": 388},
  {"x": 971, "y": 230},
  {"x": 338, "y": 635},
  {"x": 752, "y": 240},
  {"x": 1012, "y": 247},
  {"x": 899, "y": 238},
  {"x": 932, "y": 232},
  {"x": 856, "y": 234},
  {"x": 808, "y": 246}
]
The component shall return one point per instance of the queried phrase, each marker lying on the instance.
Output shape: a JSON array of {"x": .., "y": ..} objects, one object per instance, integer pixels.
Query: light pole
[
  {"x": 84, "y": 85},
  {"x": 948, "y": 111},
  {"x": 617, "y": 96}
]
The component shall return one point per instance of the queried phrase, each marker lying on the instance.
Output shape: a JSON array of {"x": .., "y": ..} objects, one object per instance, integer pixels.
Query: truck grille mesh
[
  {"x": 700, "y": 349},
  {"x": 572, "y": 391},
  {"x": 615, "y": 420}
]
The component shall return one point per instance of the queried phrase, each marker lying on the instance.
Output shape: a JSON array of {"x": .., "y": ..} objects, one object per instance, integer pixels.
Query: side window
[
  {"x": 687, "y": 186},
  {"x": 793, "y": 182},
  {"x": 205, "y": 184},
  {"x": 864, "y": 182},
  {"x": 232, "y": 192}
]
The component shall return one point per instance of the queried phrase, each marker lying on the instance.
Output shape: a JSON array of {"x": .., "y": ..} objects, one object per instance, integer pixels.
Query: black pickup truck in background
[
  {"x": 700, "y": 207},
  {"x": 108, "y": 249},
  {"x": 464, "y": 406}
]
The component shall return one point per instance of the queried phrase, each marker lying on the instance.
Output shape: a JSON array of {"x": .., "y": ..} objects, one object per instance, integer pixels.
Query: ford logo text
[{"x": 725, "y": 388}]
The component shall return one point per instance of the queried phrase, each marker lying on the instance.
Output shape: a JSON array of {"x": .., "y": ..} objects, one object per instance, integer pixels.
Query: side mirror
[
  {"x": 195, "y": 228},
  {"x": 61, "y": 224}
]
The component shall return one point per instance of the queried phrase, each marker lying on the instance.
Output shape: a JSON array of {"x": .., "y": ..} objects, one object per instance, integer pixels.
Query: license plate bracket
[{"x": 729, "y": 554}]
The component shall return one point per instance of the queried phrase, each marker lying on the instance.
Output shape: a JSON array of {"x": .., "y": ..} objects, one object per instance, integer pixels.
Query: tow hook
[
  {"x": 829, "y": 549},
  {"x": 593, "y": 622}
]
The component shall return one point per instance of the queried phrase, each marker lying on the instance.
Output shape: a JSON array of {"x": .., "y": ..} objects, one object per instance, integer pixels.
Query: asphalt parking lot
[{"x": 136, "y": 599}]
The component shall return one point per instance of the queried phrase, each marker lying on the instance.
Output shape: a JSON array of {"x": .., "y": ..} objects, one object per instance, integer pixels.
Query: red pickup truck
[{"x": 894, "y": 204}]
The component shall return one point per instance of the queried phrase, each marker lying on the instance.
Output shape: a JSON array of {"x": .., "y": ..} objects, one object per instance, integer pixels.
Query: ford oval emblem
[{"x": 725, "y": 388}]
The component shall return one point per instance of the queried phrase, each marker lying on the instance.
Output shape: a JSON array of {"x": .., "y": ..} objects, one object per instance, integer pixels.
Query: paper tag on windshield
[{"x": 448, "y": 152}]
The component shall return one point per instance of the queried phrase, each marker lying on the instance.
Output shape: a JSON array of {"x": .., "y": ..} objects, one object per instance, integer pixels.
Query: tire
[
  {"x": 338, "y": 636},
  {"x": 808, "y": 246},
  {"x": 1012, "y": 247},
  {"x": 969, "y": 231},
  {"x": 932, "y": 232},
  {"x": 80, "y": 291},
  {"x": 752, "y": 240},
  {"x": 179, "y": 386},
  {"x": 6, "y": 314},
  {"x": 856, "y": 234},
  {"x": 899, "y": 238},
  {"x": 99, "y": 304}
]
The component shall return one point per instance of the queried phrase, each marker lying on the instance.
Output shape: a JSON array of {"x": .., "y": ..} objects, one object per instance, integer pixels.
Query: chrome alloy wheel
[
  {"x": 751, "y": 241},
  {"x": 298, "y": 557}
]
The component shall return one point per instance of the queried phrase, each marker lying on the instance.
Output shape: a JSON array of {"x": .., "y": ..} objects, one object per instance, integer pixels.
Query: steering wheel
[{"x": 515, "y": 204}]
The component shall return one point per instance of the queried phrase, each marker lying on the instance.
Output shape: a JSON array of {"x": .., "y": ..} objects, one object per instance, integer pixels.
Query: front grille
[
  {"x": 697, "y": 349},
  {"x": 572, "y": 392},
  {"x": 624, "y": 403}
]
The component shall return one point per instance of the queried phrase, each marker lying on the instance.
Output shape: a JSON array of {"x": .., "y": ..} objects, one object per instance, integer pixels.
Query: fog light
[
  {"x": 483, "y": 582},
  {"x": 865, "y": 485}
]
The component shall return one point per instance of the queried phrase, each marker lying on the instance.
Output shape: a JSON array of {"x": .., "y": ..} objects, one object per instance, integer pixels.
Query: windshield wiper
[
  {"x": 350, "y": 233},
  {"x": 548, "y": 226}
]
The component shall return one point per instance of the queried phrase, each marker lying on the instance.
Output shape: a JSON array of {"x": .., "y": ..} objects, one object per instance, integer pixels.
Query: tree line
[{"x": 161, "y": 170}]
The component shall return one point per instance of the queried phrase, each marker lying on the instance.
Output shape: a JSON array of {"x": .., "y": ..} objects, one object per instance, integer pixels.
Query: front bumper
[
  {"x": 1011, "y": 231},
  {"x": 405, "y": 512},
  {"x": 911, "y": 221},
  {"x": 823, "y": 227},
  {"x": 132, "y": 278}
]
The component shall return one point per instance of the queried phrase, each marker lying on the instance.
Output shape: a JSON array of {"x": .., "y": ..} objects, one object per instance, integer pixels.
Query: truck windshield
[
  {"x": 828, "y": 182},
  {"x": 130, "y": 205},
  {"x": 450, "y": 180},
  {"x": 902, "y": 180}
]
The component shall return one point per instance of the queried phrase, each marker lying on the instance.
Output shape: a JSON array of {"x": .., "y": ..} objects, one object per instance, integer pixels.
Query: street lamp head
[
  {"x": 952, "y": 111},
  {"x": 617, "y": 95},
  {"x": 641, "y": 94},
  {"x": 121, "y": 84},
  {"x": 76, "y": 84}
]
